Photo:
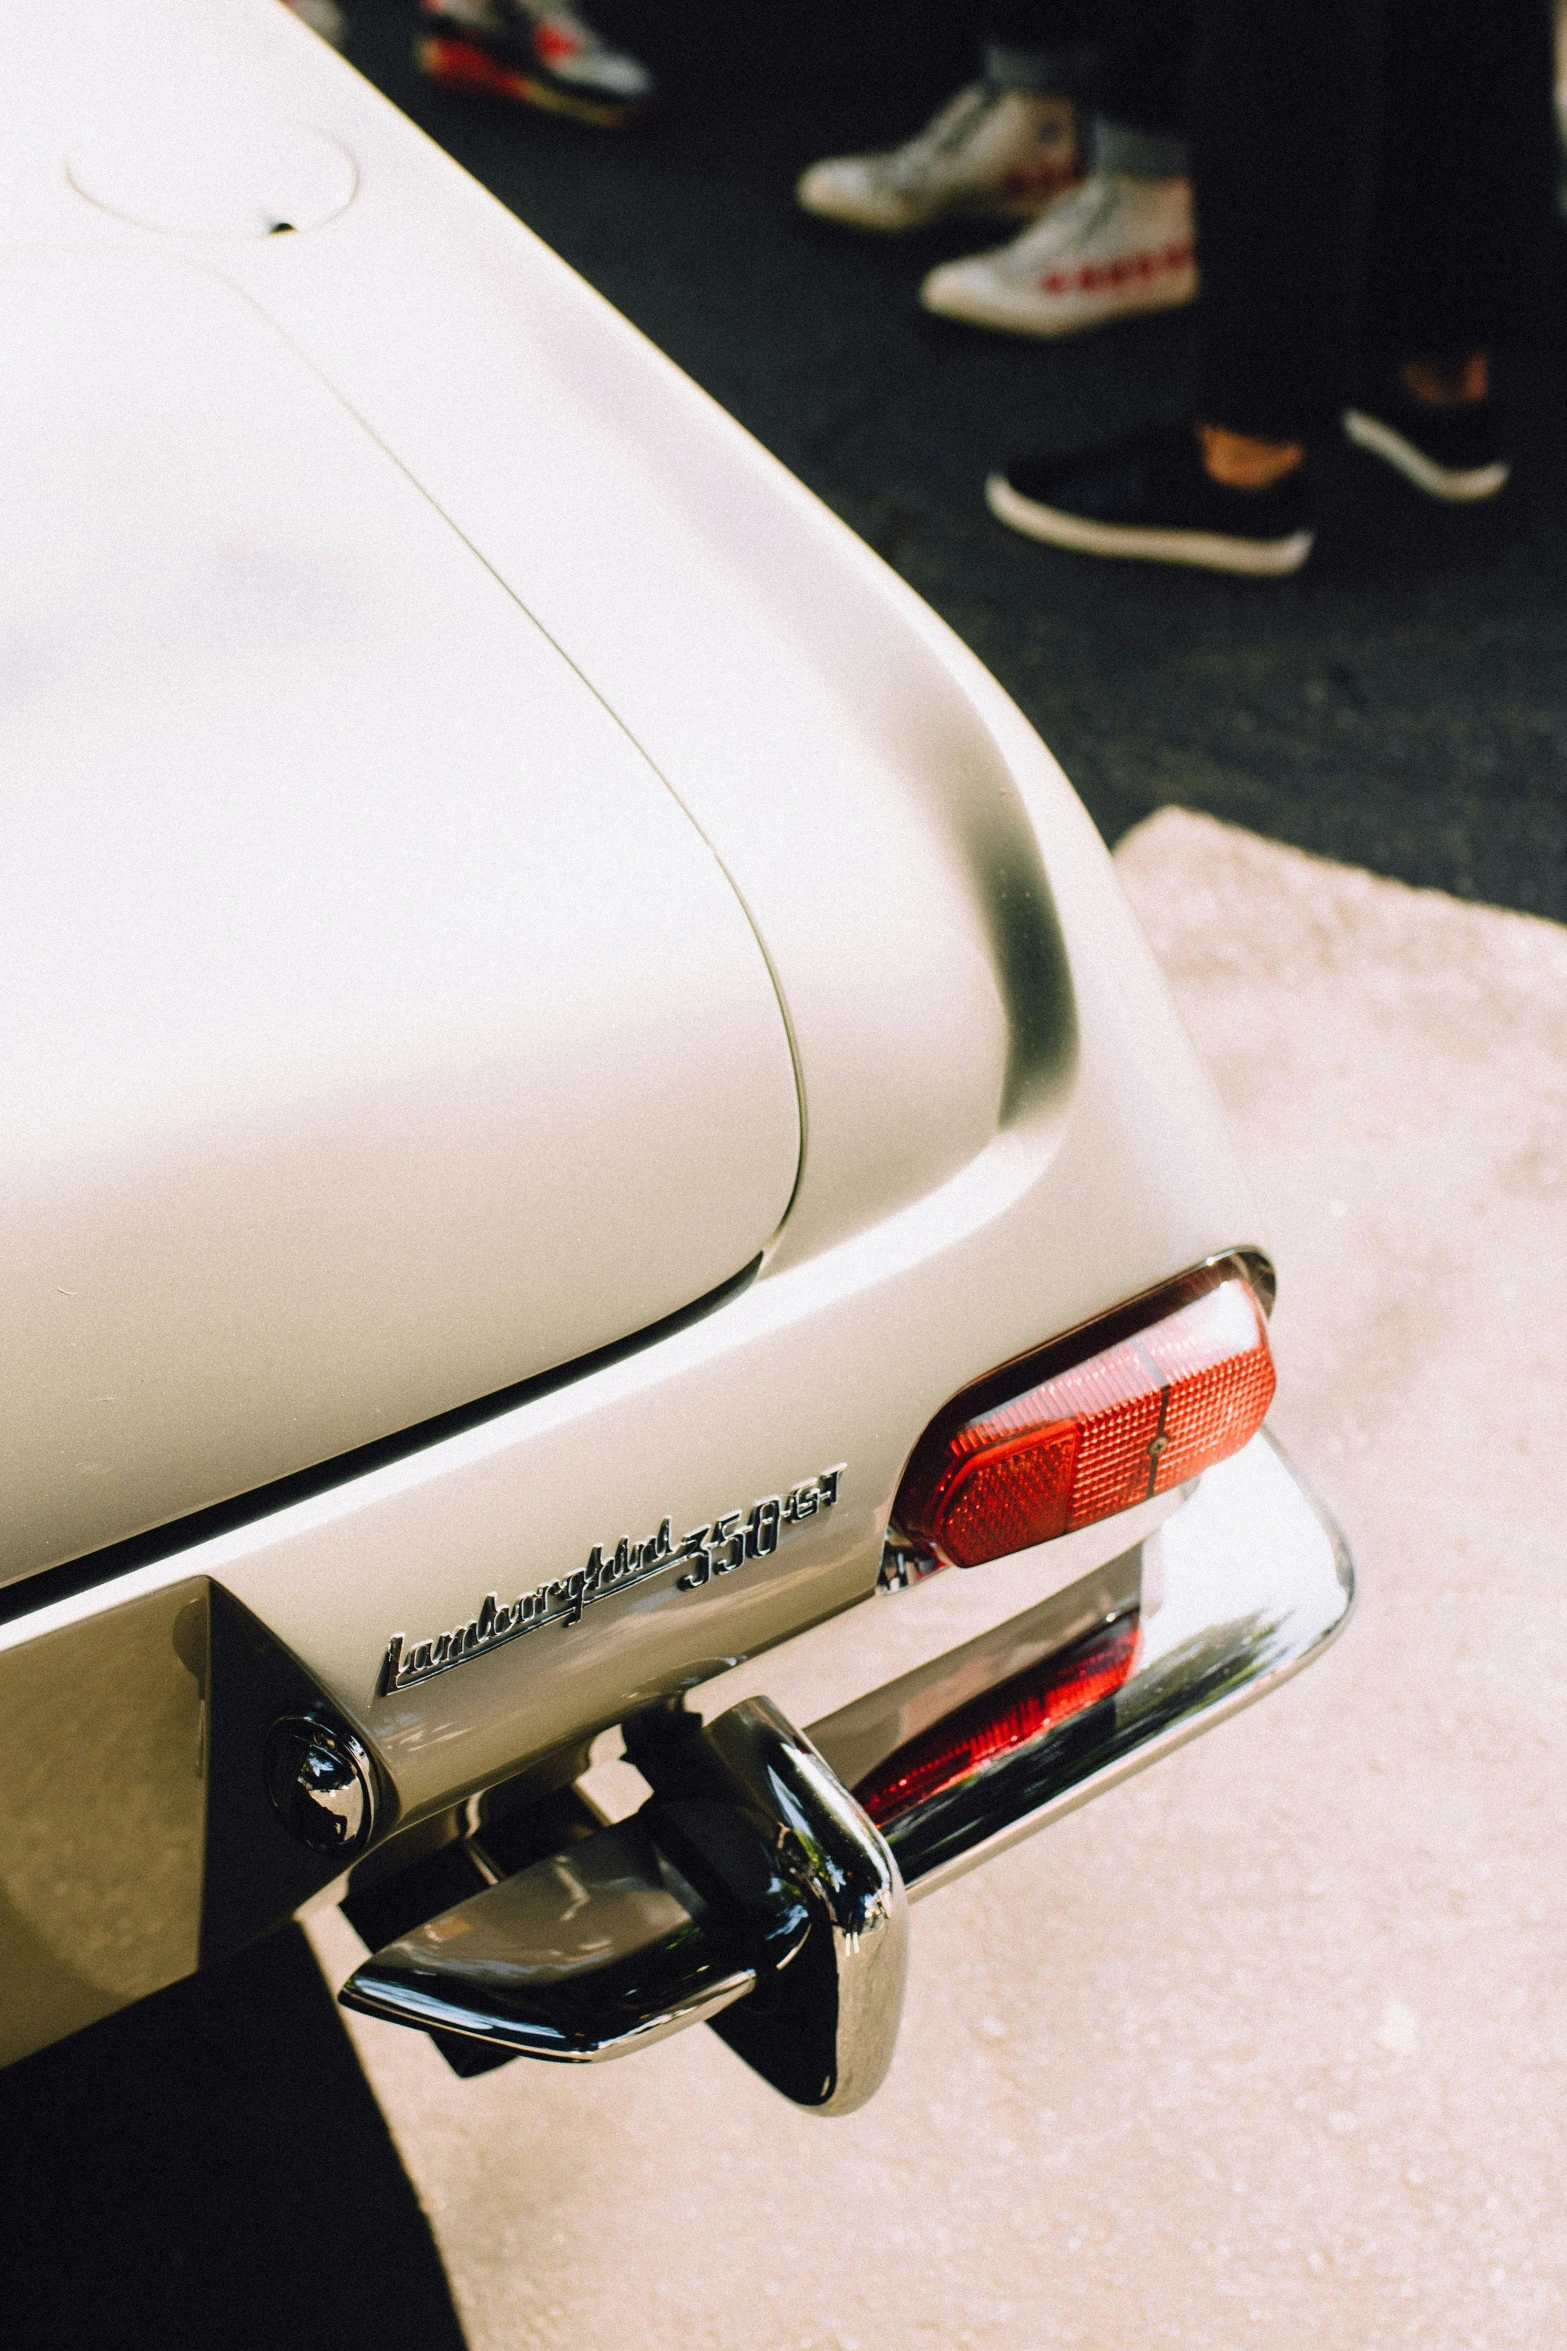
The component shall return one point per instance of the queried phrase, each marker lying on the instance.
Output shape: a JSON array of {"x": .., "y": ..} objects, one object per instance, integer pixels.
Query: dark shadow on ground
[
  {"x": 210, "y": 2172},
  {"x": 1401, "y": 704}
]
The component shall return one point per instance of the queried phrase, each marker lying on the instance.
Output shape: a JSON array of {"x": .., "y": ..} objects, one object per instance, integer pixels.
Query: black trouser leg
[
  {"x": 1284, "y": 103},
  {"x": 1147, "y": 64},
  {"x": 1043, "y": 45},
  {"x": 1374, "y": 182},
  {"x": 1143, "y": 47},
  {"x": 1458, "y": 257},
  {"x": 1042, "y": 24}
]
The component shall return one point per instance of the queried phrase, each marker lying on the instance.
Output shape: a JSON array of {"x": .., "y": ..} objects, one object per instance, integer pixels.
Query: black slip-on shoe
[
  {"x": 1148, "y": 498},
  {"x": 1449, "y": 453}
]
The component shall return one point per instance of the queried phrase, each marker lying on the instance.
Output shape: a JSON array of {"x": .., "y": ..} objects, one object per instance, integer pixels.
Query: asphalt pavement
[{"x": 1401, "y": 704}]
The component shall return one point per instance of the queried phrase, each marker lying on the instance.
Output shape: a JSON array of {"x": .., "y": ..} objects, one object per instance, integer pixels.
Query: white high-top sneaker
[
  {"x": 1108, "y": 249},
  {"x": 990, "y": 154}
]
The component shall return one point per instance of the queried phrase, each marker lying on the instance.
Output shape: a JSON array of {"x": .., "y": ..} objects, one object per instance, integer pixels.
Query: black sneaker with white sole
[
  {"x": 1148, "y": 498},
  {"x": 1449, "y": 453}
]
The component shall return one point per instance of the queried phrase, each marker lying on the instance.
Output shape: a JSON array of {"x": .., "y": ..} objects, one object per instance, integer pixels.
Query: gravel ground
[{"x": 1270, "y": 2046}]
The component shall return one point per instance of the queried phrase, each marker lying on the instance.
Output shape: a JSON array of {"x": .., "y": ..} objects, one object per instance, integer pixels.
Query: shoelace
[
  {"x": 1067, "y": 221},
  {"x": 957, "y": 122}
]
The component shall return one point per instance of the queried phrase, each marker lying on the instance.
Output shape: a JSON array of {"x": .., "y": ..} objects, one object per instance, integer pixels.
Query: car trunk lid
[{"x": 381, "y": 1032}]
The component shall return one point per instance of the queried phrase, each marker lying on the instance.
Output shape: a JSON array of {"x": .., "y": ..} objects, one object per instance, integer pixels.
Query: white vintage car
[{"x": 580, "y": 1100}]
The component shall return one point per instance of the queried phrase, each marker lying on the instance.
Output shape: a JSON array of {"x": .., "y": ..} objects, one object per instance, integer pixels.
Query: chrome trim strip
[{"x": 1244, "y": 1585}]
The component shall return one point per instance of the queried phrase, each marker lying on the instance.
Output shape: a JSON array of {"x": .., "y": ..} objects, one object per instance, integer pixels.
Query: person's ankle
[
  {"x": 1240, "y": 461},
  {"x": 1447, "y": 382}
]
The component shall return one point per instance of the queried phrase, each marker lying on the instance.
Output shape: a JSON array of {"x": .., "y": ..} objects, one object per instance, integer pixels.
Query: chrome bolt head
[{"x": 322, "y": 1785}]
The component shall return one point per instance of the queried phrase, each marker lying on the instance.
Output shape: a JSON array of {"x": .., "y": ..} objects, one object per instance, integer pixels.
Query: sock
[
  {"x": 1140, "y": 154},
  {"x": 1240, "y": 461},
  {"x": 1448, "y": 383}
]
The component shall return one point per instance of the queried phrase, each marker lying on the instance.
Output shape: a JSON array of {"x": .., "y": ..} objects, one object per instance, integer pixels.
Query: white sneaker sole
[
  {"x": 956, "y": 297},
  {"x": 1437, "y": 481},
  {"x": 1203, "y": 550}
]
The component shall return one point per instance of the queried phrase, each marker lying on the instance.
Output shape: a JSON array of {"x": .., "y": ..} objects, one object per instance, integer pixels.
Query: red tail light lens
[
  {"x": 1003, "y": 1720},
  {"x": 1024, "y": 1457}
]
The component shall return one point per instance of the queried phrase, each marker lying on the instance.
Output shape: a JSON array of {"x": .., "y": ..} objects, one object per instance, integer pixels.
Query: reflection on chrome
[
  {"x": 751, "y": 1892},
  {"x": 322, "y": 1785},
  {"x": 825, "y": 2029},
  {"x": 1245, "y": 1584},
  {"x": 586, "y": 1955}
]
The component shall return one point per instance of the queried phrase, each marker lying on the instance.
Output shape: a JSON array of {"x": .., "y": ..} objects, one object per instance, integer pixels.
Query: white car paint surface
[
  {"x": 493, "y": 860},
  {"x": 361, "y": 971}
]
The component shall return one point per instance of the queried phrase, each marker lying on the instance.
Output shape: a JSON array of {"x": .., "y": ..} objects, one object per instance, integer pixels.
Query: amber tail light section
[
  {"x": 996, "y": 1725},
  {"x": 1132, "y": 1406}
]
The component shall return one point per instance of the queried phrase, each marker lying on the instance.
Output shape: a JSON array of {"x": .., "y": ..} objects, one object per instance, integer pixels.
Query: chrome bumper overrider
[
  {"x": 752, "y": 1883},
  {"x": 754, "y": 1892}
]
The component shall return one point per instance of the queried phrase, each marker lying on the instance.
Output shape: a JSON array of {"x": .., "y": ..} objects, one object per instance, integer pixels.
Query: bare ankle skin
[
  {"x": 1448, "y": 383},
  {"x": 1242, "y": 462}
]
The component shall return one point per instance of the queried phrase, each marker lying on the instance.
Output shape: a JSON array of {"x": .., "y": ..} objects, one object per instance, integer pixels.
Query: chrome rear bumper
[
  {"x": 755, "y": 1891},
  {"x": 1239, "y": 1589}
]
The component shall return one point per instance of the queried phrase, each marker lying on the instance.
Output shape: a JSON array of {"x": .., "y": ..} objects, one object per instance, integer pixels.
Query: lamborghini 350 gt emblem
[{"x": 706, "y": 1551}]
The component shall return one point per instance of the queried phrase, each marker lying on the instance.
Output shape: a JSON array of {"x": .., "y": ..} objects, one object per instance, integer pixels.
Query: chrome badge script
[{"x": 717, "y": 1548}]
